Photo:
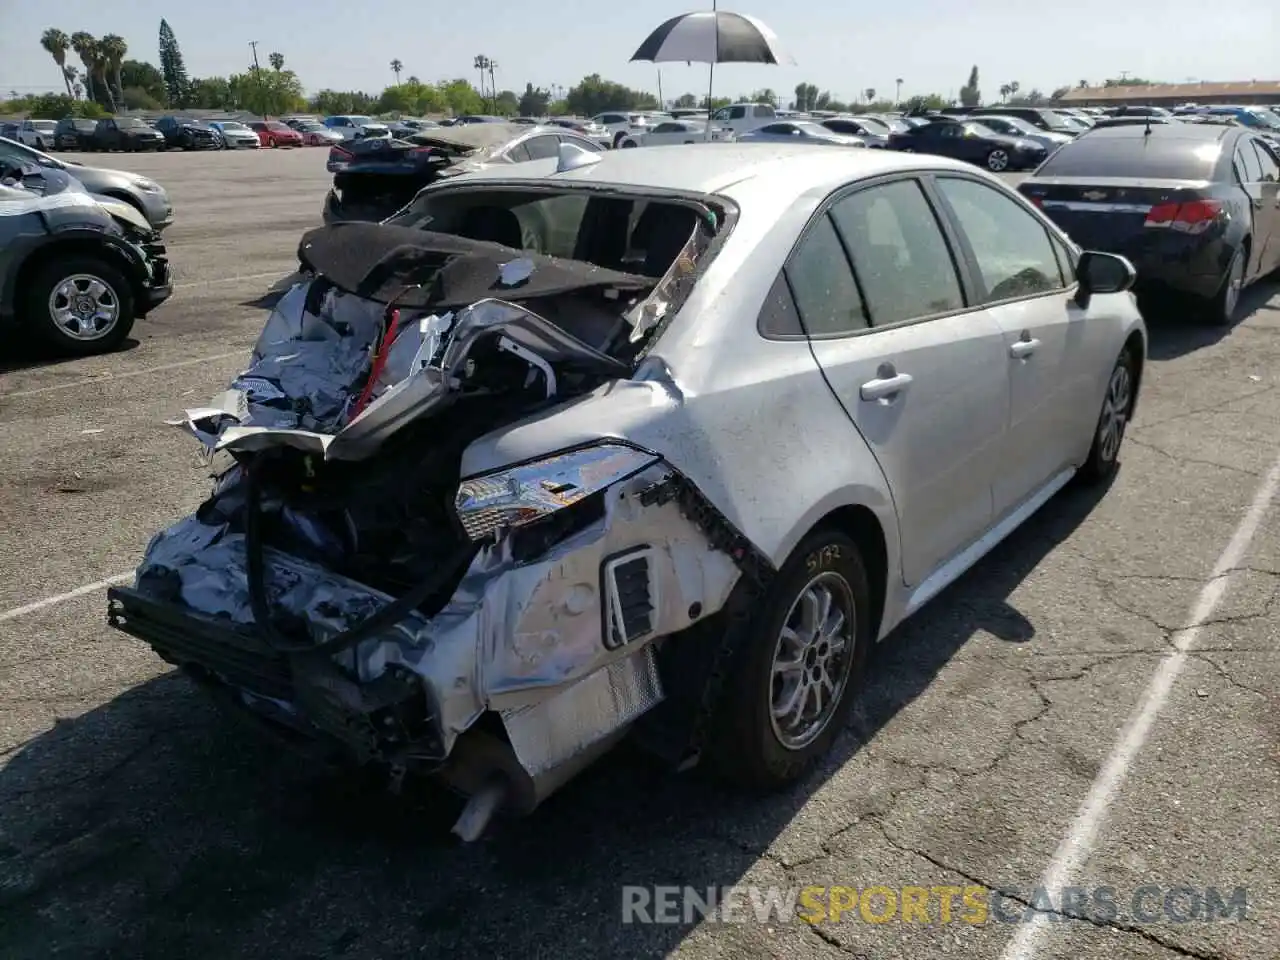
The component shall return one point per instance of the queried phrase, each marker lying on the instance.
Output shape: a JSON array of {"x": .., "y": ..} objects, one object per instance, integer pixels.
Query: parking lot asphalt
[{"x": 135, "y": 822}]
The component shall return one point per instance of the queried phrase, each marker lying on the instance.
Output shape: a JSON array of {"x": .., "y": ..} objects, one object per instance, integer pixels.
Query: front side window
[
  {"x": 737, "y": 113},
  {"x": 1012, "y": 248},
  {"x": 822, "y": 285},
  {"x": 900, "y": 256},
  {"x": 761, "y": 111},
  {"x": 543, "y": 148}
]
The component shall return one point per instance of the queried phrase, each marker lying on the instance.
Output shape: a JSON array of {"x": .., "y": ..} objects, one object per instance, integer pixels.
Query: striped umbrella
[{"x": 712, "y": 37}]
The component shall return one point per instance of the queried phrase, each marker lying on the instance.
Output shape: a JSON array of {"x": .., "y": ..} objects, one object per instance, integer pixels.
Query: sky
[{"x": 839, "y": 46}]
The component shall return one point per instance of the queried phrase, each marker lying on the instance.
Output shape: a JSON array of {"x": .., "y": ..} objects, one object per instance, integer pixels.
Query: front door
[
  {"x": 1048, "y": 344},
  {"x": 922, "y": 377},
  {"x": 1266, "y": 211}
]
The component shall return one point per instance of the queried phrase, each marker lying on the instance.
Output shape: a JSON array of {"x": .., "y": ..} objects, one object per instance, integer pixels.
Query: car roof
[{"x": 782, "y": 169}]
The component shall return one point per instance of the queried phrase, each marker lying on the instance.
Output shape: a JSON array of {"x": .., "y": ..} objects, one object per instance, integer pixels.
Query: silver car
[
  {"x": 661, "y": 448},
  {"x": 235, "y": 135},
  {"x": 799, "y": 131},
  {"x": 142, "y": 193}
]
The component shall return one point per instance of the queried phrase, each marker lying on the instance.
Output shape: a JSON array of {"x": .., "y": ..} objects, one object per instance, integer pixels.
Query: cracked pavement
[{"x": 136, "y": 821}]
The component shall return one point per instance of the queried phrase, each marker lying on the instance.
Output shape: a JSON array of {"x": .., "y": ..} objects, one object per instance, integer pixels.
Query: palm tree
[
  {"x": 870, "y": 93},
  {"x": 1084, "y": 84},
  {"x": 56, "y": 44},
  {"x": 1014, "y": 87},
  {"x": 113, "y": 50},
  {"x": 1005, "y": 90},
  {"x": 86, "y": 49},
  {"x": 277, "y": 61},
  {"x": 396, "y": 67}
]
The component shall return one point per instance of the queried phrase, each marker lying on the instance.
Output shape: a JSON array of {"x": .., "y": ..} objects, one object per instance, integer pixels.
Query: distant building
[{"x": 1251, "y": 92}]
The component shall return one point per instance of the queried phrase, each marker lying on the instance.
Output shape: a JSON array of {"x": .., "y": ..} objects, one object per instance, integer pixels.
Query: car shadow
[
  {"x": 156, "y": 829},
  {"x": 1176, "y": 331},
  {"x": 17, "y": 354}
]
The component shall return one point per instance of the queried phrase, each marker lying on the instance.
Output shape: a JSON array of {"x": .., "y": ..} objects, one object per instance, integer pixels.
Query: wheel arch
[
  {"x": 861, "y": 525},
  {"x": 73, "y": 246}
]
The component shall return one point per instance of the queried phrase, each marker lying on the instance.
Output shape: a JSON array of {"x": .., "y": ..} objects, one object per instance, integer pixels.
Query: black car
[
  {"x": 75, "y": 271},
  {"x": 188, "y": 134},
  {"x": 1194, "y": 207},
  {"x": 970, "y": 141},
  {"x": 74, "y": 133},
  {"x": 125, "y": 133},
  {"x": 376, "y": 176}
]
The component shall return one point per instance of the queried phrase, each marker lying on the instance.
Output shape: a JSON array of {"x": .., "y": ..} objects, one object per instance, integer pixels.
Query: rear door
[
  {"x": 921, "y": 376},
  {"x": 1248, "y": 168},
  {"x": 1052, "y": 355}
]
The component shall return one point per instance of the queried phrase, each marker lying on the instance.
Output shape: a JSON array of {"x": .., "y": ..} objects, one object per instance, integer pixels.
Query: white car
[
  {"x": 235, "y": 135},
  {"x": 620, "y": 125},
  {"x": 37, "y": 133},
  {"x": 355, "y": 127},
  {"x": 669, "y": 445},
  {"x": 670, "y": 132}
]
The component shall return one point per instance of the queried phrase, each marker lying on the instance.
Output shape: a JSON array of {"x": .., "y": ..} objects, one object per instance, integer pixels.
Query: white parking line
[
  {"x": 109, "y": 377},
  {"x": 22, "y": 611},
  {"x": 1076, "y": 847}
]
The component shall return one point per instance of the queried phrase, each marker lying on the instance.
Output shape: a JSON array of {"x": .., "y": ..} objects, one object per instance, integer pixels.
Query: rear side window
[
  {"x": 763, "y": 111},
  {"x": 826, "y": 295},
  {"x": 737, "y": 113},
  {"x": 1269, "y": 164},
  {"x": 1161, "y": 158},
  {"x": 1250, "y": 166},
  {"x": 899, "y": 254},
  {"x": 543, "y": 148}
]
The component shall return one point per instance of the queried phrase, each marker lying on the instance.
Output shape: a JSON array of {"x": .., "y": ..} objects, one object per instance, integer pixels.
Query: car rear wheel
[
  {"x": 80, "y": 306},
  {"x": 798, "y": 665},
  {"x": 1117, "y": 409},
  {"x": 1221, "y": 310},
  {"x": 628, "y": 143},
  {"x": 998, "y": 160}
]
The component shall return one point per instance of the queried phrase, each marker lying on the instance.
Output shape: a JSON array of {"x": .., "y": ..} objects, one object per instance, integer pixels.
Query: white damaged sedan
[{"x": 605, "y": 444}]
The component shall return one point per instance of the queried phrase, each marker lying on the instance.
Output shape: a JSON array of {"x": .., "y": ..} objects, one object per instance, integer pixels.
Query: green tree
[
  {"x": 461, "y": 97},
  {"x": 806, "y": 96},
  {"x": 931, "y": 102},
  {"x": 172, "y": 68},
  {"x": 594, "y": 94},
  {"x": 56, "y": 44},
  {"x": 140, "y": 75},
  {"x": 1059, "y": 93},
  {"x": 533, "y": 102},
  {"x": 276, "y": 60},
  {"x": 86, "y": 48},
  {"x": 113, "y": 49},
  {"x": 343, "y": 101},
  {"x": 970, "y": 94},
  {"x": 211, "y": 93},
  {"x": 267, "y": 93},
  {"x": 52, "y": 106},
  {"x": 687, "y": 101},
  {"x": 506, "y": 103}
]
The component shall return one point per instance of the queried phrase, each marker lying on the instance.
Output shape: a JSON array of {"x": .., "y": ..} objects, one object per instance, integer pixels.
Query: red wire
[{"x": 379, "y": 361}]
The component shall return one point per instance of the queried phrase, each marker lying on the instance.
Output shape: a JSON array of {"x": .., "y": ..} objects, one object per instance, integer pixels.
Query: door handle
[
  {"x": 1023, "y": 349},
  {"x": 886, "y": 388}
]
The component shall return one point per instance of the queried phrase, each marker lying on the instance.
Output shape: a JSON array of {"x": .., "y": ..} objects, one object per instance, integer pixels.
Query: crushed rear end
[{"x": 346, "y": 587}]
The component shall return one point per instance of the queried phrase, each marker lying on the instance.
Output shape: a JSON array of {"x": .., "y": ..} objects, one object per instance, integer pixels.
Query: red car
[{"x": 273, "y": 133}]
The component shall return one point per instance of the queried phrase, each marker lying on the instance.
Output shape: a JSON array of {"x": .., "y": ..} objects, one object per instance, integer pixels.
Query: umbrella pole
[{"x": 711, "y": 74}]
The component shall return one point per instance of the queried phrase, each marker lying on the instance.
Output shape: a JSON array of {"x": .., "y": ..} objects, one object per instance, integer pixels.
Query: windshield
[
  {"x": 131, "y": 123},
  {"x": 44, "y": 126},
  {"x": 312, "y": 127},
  {"x": 1266, "y": 118},
  {"x": 232, "y": 125},
  {"x": 812, "y": 129},
  {"x": 279, "y": 127},
  {"x": 1007, "y": 124},
  {"x": 360, "y": 120},
  {"x": 876, "y": 125}
]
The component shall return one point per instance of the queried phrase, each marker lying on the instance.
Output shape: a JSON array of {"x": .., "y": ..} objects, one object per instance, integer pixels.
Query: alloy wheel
[
  {"x": 811, "y": 660},
  {"x": 1115, "y": 413},
  {"x": 997, "y": 160}
]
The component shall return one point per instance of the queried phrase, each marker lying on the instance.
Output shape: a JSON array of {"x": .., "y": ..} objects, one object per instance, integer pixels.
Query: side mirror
[{"x": 1102, "y": 273}]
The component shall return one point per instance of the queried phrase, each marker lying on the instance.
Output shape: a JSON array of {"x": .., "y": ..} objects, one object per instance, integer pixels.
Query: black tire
[
  {"x": 38, "y": 318},
  {"x": 1220, "y": 309},
  {"x": 617, "y": 139},
  {"x": 1104, "y": 457},
  {"x": 744, "y": 745},
  {"x": 628, "y": 143}
]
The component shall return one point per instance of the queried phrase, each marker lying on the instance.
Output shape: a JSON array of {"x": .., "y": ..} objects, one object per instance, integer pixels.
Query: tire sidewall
[
  {"x": 746, "y": 747},
  {"x": 41, "y": 324}
]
